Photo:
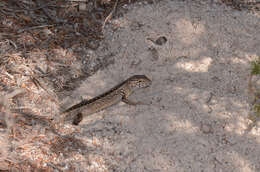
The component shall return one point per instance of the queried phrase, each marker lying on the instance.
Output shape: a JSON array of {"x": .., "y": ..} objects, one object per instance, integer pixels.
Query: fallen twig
[
  {"x": 57, "y": 20},
  {"x": 110, "y": 15},
  {"x": 29, "y": 9},
  {"x": 14, "y": 93},
  {"x": 11, "y": 42},
  {"x": 34, "y": 27}
]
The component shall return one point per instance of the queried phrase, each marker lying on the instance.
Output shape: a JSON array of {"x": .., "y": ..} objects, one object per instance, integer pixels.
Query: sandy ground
[{"x": 198, "y": 102}]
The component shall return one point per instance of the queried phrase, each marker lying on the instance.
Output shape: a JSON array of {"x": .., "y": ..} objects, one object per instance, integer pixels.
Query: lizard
[{"x": 120, "y": 92}]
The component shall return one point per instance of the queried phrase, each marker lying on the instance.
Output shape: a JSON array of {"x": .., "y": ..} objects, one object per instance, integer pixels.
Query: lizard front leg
[{"x": 130, "y": 102}]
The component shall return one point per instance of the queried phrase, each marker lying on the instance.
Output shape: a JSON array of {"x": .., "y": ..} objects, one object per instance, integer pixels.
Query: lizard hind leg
[{"x": 77, "y": 119}]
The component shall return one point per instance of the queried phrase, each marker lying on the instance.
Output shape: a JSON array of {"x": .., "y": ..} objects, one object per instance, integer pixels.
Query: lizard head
[{"x": 139, "y": 81}]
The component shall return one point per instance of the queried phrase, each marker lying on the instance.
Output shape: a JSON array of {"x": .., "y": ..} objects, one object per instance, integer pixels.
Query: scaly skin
[{"x": 121, "y": 92}]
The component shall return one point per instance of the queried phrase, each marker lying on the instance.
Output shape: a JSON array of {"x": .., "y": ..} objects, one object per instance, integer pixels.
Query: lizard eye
[{"x": 142, "y": 84}]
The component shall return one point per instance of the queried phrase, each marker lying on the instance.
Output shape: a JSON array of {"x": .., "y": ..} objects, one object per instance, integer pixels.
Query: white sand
[{"x": 199, "y": 99}]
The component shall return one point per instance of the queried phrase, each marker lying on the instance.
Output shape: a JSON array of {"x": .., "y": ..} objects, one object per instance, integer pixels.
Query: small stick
[
  {"x": 34, "y": 27},
  {"x": 110, "y": 15},
  {"x": 28, "y": 9}
]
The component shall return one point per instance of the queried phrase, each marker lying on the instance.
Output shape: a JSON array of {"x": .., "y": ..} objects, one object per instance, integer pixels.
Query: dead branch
[{"x": 110, "y": 15}]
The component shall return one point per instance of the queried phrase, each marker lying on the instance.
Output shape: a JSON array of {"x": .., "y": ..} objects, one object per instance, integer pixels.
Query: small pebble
[{"x": 161, "y": 40}]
